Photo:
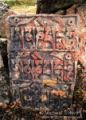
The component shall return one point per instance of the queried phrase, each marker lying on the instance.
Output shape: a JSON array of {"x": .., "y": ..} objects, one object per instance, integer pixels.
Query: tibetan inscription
[{"x": 42, "y": 63}]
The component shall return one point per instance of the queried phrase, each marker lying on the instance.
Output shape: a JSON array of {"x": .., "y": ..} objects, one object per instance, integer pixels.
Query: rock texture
[
  {"x": 46, "y": 6},
  {"x": 3, "y": 9},
  {"x": 4, "y": 80},
  {"x": 55, "y": 6},
  {"x": 66, "y": 7}
]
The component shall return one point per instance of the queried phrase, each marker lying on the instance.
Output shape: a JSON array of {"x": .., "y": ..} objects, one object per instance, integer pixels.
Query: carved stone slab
[{"x": 41, "y": 60}]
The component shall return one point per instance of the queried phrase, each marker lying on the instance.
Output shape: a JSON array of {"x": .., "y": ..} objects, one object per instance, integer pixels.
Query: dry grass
[{"x": 24, "y": 9}]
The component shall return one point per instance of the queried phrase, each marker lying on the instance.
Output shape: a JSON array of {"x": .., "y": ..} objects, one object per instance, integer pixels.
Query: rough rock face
[
  {"x": 51, "y": 6},
  {"x": 4, "y": 82},
  {"x": 66, "y": 7},
  {"x": 3, "y": 71},
  {"x": 69, "y": 7},
  {"x": 55, "y": 6},
  {"x": 3, "y": 9}
]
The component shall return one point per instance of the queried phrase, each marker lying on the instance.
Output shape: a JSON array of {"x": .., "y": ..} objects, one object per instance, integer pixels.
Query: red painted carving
[{"x": 42, "y": 57}]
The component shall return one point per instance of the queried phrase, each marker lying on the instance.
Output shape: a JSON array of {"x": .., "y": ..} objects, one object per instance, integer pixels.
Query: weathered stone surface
[
  {"x": 41, "y": 57},
  {"x": 4, "y": 72},
  {"x": 53, "y": 6},
  {"x": 4, "y": 80},
  {"x": 3, "y": 52},
  {"x": 70, "y": 9},
  {"x": 3, "y": 8},
  {"x": 77, "y": 7},
  {"x": 4, "y": 13}
]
